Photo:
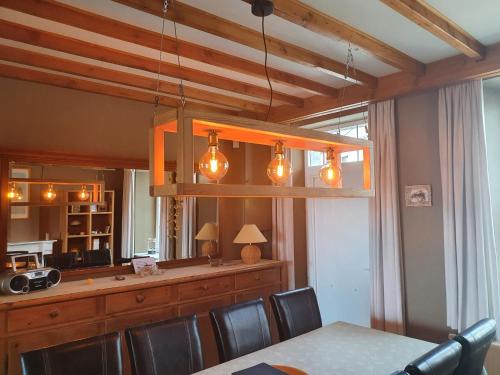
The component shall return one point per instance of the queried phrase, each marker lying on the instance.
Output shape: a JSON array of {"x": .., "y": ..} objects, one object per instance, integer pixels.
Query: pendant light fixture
[
  {"x": 213, "y": 164},
  {"x": 279, "y": 169},
  {"x": 49, "y": 194},
  {"x": 330, "y": 173},
  {"x": 14, "y": 193},
  {"x": 83, "y": 194}
]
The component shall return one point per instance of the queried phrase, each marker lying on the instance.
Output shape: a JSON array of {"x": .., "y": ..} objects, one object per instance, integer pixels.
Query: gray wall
[
  {"x": 422, "y": 228},
  {"x": 492, "y": 123}
]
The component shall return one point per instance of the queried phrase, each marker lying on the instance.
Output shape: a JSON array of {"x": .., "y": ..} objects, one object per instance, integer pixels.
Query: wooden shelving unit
[{"x": 87, "y": 226}]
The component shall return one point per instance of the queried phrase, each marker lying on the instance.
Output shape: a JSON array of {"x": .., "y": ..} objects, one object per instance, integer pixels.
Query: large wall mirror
[{"x": 72, "y": 234}]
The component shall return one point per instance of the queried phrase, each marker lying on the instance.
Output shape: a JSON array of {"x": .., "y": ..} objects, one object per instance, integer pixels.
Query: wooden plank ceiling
[{"x": 53, "y": 55}]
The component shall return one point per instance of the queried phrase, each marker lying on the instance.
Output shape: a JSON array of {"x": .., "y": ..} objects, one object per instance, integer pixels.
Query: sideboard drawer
[
  {"x": 137, "y": 299},
  {"x": 49, "y": 315},
  {"x": 140, "y": 318},
  {"x": 205, "y": 288},
  {"x": 257, "y": 278}
]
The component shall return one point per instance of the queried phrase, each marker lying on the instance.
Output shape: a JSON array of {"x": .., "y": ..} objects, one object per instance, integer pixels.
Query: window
[{"x": 317, "y": 158}]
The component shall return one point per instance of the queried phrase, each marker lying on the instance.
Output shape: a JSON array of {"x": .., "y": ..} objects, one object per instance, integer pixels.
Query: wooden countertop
[{"x": 107, "y": 285}]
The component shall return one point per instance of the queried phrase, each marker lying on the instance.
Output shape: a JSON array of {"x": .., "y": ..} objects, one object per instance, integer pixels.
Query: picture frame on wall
[
  {"x": 418, "y": 195},
  {"x": 21, "y": 212}
]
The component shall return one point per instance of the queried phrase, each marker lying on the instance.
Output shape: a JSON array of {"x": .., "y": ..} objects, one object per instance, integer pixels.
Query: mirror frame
[{"x": 12, "y": 156}]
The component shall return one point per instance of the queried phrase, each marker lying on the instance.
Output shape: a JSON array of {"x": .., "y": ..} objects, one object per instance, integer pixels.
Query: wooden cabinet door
[{"x": 42, "y": 339}]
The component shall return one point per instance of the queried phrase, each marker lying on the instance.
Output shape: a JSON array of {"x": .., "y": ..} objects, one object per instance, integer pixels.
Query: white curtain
[
  {"x": 387, "y": 296},
  {"x": 128, "y": 214},
  {"x": 163, "y": 245},
  {"x": 188, "y": 227},
  {"x": 282, "y": 242},
  {"x": 471, "y": 269}
]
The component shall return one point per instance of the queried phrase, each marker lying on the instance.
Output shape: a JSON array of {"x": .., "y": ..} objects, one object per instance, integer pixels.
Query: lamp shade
[
  {"x": 208, "y": 232},
  {"x": 249, "y": 233}
]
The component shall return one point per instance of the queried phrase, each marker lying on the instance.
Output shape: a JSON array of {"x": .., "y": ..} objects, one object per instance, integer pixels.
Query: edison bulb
[
  {"x": 83, "y": 194},
  {"x": 279, "y": 169},
  {"x": 213, "y": 164},
  {"x": 14, "y": 192},
  {"x": 50, "y": 194},
  {"x": 330, "y": 173}
]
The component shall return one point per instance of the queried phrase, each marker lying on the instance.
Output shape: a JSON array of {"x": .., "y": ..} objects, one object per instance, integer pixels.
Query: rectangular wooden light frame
[{"x": 188, "y": 123}]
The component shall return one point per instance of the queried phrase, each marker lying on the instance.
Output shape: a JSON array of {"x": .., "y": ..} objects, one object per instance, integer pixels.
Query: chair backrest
[
  {"x": 475, "y": 341},
  {"x": 171, "y": 347},
  {"x": 296, "y": 312},
  {"x": 442, "y": 360},
  {"x": 99, "y": 355},
  {"x": 240, "y": 329}
]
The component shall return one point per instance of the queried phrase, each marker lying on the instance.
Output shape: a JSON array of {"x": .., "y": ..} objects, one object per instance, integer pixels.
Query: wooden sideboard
[{"x": 79, "y": 309}]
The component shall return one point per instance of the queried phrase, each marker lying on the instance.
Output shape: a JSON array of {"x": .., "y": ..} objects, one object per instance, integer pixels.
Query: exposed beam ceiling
[
  {"x": 27, "y": 74},
  {"x": 443, "y": 72},
  {"x": 436, "y": 23},
  {"x": 39, "y": 60},
  {"x": 331, "y": 116},
  {"x": 210, "y": 23},
  {"x": 328, "y": 26},
  {"x": 66, "y": 14},
  {"x": 61, "y": 43}
]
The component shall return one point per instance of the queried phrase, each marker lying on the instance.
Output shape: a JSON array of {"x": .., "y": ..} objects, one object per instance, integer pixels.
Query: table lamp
[
  {"x": 250, "y": 234},
  {"x": 208, "y": 233}
]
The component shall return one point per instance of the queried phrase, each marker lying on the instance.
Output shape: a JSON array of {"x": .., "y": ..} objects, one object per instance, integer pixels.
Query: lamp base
[
  {"x": 209, "y": 248},
  {"x": 250, "y": 254}
]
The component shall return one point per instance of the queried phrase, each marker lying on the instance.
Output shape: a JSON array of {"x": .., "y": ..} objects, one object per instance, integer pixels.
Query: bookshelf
[{"x": 87, "y": 226}]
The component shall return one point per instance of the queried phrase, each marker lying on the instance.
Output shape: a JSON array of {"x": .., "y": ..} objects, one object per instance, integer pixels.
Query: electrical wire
[{"x": 266, "y": 70}]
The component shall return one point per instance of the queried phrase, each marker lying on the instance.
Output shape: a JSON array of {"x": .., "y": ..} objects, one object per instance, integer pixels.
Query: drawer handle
[
  {"x": 140, "y": 298},
  {"x": 257, "y": 276},
  {"x": 54, "y": 314},
  {"x": 204, "y": 287}
]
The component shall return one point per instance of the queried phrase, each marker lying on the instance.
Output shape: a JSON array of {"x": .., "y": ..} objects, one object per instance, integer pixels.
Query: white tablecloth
[{"x": 337, "y": 349}]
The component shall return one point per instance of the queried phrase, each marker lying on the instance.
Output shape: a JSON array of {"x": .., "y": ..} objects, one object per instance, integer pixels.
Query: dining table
[{"x": 336, "y": 349}]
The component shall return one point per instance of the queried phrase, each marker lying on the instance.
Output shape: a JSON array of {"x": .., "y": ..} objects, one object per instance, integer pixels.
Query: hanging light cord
[
  {"x": 267, "y": 73},
  {"x": 349, "y": 63},
  {"x": 157, "y": 97},
  {"x": 181, "y": 83}
]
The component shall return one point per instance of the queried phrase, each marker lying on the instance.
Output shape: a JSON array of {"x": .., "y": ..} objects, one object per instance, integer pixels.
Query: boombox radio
[{"x": 28, "y": 280}]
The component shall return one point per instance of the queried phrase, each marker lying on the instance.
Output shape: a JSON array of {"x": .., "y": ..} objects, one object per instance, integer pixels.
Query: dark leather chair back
[
  {"x": 240, "y": 329},
  {"x": 99, "y": 355},
  {"x": 475, "y": 341},
  {"x": 172, "y": 347},
  {"x": 296, "y": 312},
  {"x": 442, "y": 360}
]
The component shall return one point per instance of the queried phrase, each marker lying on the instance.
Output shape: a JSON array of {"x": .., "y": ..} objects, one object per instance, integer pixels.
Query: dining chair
[
  {"x": 99, "y": 355},
  {"x": 442, "y": 360},
  {"x": 296, "y": 312},
  {"x": 240, "y": 329},
  {"x": 171, "y": 347},
  {"x": 475, "y": 341}
]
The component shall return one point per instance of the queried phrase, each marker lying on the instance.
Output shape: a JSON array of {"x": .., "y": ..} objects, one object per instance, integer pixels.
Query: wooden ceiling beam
[
  {"x": 210, "y": 23},
  {"x": 27, "y": 74},
  {"x": 40, "y": 60},
  {"x": 331, "y": 116},
  {"x": 444, "y": 72},
  {"x": 432, "y": 20},
  {"x": 323, "y": 24},
  {"x": 72, "y": 16},
  {"x": 29, "y": 35}
]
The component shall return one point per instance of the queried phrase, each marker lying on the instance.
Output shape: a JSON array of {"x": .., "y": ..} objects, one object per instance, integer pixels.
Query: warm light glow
[
  {"x": 50, "y": 194},
  {"x": 14, "y": 192},
  {"x": 83, "y": 194},
  {"x": 330, "y": 173},
  {"x": 213, "y": 164},
  {"x": 279, "y": 169}
]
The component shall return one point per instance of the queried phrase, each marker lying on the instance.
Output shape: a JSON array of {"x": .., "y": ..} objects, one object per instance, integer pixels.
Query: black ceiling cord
[{"x": 263, "y": 8}]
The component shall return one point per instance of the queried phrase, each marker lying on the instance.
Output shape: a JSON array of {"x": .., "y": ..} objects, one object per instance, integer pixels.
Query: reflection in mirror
[{"x": 71, "y": 233}]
